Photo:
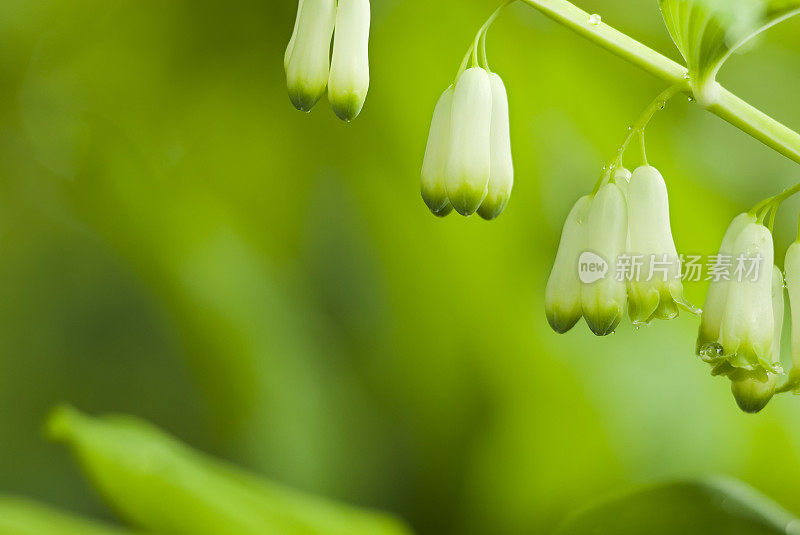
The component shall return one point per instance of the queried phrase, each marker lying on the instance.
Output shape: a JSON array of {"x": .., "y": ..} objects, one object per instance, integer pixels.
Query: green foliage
[
  {"x": 23, "y": 517},
  {"x": 707, "y": 32},
  {"x": 155, "y": 482},
  {"x": 715, "y": 505},
  {"x": 179, "y": 243}
]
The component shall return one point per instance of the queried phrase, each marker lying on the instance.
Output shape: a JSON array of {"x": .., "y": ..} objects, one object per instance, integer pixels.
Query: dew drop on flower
[
  {"x": 687, "y": 76},
  {"x": 595, "y": 19},
  {"x": 711, "y": 351}
]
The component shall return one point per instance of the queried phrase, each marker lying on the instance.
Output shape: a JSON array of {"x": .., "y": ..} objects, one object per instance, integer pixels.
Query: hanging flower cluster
[
  {"x": 742, "y": 324},
  {"x": 618, "y": 238},
  {"x": 740, "y": 330},
  {"x": 468, "y": 165},
  {"x": 310, "y": 71},
  {"x": 617, "y": 254}
]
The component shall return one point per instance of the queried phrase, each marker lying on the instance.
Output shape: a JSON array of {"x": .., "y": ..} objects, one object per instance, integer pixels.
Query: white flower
[
  {"x": 655, "y": 290},
  {"x": 753, "y": 389},
  {"x": 778, "y": 287},
  {"x": 469, "y": 158},
  {"x": 792, "y": 266},
  {"x": 748, "y": 323},
  {"x": 434, "y": 192},
  {"x": 288, "y": 55},
  {"x": 604, "y": 300},
  {"x": 349, "y": 77},
  {"x": 562, "y": 301},
  {"x": 501, "y": 176},
  {"x": 709, "y": 336},
  {"x": 308, "y": 64}
]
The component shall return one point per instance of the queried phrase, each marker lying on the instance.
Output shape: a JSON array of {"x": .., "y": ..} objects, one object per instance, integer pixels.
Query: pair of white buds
[
  {"x": 626, "y": 218},
  {"x": 310, "y": 71},
  {"x": 468, "y": 165},
  {"x": 740, "y": 332}
]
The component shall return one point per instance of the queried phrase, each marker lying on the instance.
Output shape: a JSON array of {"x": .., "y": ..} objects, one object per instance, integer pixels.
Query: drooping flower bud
[
  {"x": 792, "y": 266},
  {"x": 753, "y": 389},
  {"x": 709, "y": 337},
  {"x": 434, "y": 165},
  {"x": 778, "y": 288},
  {"x": 307, "y": 68},
  {"x": 290, "y": 47},
  {"x": 655, "y": 288},
  {"x": 604, "y": 299},
  {"x": 748, "y": 324},
  {"x": 469, "y": 157},
  {"x": 349, "y": 78},
  {"x": 562, "y": 297},
  {"x": 501, "y": 177}
]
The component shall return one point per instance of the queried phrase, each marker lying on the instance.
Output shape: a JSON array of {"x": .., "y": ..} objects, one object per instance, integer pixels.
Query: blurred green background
[{"x": 179, "y": 243}]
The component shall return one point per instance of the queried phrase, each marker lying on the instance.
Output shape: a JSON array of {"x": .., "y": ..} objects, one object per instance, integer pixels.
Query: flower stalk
[{"x": 726, "y": 105}]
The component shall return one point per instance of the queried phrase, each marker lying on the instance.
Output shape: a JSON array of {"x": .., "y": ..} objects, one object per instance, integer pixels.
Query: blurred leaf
[
  {"x": 707, "y": 32},
  {"x": 156, "y": 482},
  {"x": 19, "y": 516},
  {"x": 714, "y": 505}
]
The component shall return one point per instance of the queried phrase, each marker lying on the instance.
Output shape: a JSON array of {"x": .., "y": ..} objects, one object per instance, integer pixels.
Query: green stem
[
  {"x": 727, "y": 106},
  {"x": 479, "y": 42},
  {"x": 638, "y": 128},
  {"x": 770, "y": 206}
]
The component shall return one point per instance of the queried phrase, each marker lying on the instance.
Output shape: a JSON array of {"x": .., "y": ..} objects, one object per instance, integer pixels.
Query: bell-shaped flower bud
[
  {"x": 434, "y": 192},
  {"x": 655, "y": 289},
  {"x": 778, "y": 288},
  {"x": 469, "y": 158},
  {"x": 501, "y": 176},
  {"x": 603, "y": 294},
  {"x": 562, "y": 297},
  {"x": 349, "y": 79},
  {"x": 709, "y": 337},
  {"x": 308, "y": 66},
  {"x": 290, "y": 47},
  {"x": 792, "y": 266},
  {"x": 752, "y": 390},
  {"x": 748, "y": 324}
]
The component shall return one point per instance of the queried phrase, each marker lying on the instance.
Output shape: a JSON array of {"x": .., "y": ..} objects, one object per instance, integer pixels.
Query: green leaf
[
  {"x": 714, "y": 505},
  {"x": 155, "y": 482},
  {"x": 19, "y": 516},
  {"x": 707, "y": 32}
]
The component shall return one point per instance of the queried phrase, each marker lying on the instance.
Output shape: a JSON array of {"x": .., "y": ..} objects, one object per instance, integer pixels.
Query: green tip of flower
[
  {"x": 466, "y": 200},
  {"x": 303, "y": 100},
  {"x": 752, "y": 390},
  {"x": 444, "y": 211},
  {"x": 436, "y": 201},
  {"x": 561, "y": 321},
  {"x": 642, "y": 305},
  {"x": 604, "y": 324},
  {"x": 347, "y": 106},
  {"x": 490, "y": 211}
]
